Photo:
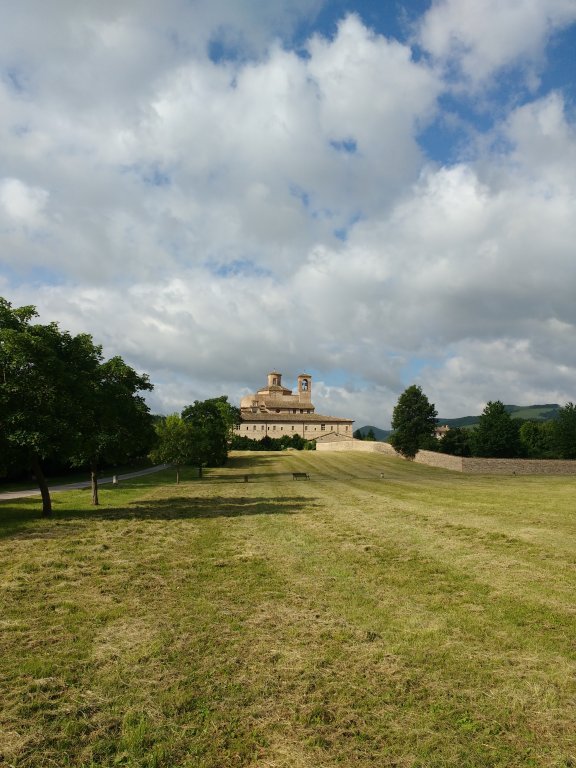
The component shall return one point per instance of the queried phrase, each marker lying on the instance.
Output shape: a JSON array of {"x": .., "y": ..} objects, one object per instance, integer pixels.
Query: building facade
[{"x": 276, "y": 411}]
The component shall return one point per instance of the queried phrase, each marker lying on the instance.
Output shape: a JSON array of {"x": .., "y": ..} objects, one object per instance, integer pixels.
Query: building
[{"x": 276, "y": 411}]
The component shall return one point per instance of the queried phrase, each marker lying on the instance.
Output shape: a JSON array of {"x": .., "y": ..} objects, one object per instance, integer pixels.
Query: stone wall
[
  {"x": 470, "y": 466},
  {"x": 474, "y": 466},
  {"x": 355, "y": 445},
  {"x": 442, "y": 460}
]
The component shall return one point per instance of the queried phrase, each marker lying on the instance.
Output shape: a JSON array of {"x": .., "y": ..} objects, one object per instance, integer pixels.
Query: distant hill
[
  {"x": 380, "y": 434},
  {"x": 529, "y": 412},
  {"x": 545, "y": 412}
]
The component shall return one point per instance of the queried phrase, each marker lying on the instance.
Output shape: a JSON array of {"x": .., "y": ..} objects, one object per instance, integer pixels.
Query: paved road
[{"x": 85, "y": 484}]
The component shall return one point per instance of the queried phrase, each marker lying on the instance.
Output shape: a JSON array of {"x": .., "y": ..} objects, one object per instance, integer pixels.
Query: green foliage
[
  {"x": 243, "y": 443},
  {"x": 455, "y": 442},
  {"x": 58, "y": 400},
  {"x": 114, "y": 422},
  {"x": 497, "y": 434},
  {"x": 173, "y": 442},
  {"x": 564, "y": 432},
  {"x": 537, "y": 439},
  {"x": 413, "y": 422},
  {"x": 358, "y": 435},
  {"x": 211, "y": 422},
  {"x": 370, "y": 436}
]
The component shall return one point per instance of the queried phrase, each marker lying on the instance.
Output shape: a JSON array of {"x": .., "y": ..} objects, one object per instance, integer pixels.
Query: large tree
[
  {"x": 564, "y": 432},
  {"x": 413, "y": 422},
  {"x": 497, "y": 434},
  {"x": 114, "y": 422},
  {"x": 45, "y": 374},
  {"x": 455, "y": 442},
  {"x": 211, "y": 422}
]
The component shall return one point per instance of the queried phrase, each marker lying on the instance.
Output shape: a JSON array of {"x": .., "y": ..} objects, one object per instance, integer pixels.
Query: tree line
[
  {"x": 497, "y": 434},
  {"x": 61, "y": 401}
]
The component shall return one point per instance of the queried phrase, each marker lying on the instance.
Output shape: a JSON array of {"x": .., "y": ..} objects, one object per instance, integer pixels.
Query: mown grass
[{"x": 421, "y": 619}]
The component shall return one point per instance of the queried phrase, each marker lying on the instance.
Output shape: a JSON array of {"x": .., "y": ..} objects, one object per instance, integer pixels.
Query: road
[{"x": 84, "y": 484}]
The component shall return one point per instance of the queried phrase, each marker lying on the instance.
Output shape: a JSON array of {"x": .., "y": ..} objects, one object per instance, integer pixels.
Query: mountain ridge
[{"x": 545, "y": 412}]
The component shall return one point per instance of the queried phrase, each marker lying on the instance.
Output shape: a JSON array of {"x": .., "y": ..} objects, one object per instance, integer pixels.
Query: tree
[
  {"x": 413, "y": 422},
  {"x": 497, "y": 434},
  {"x": 45, "y": 374},
  {"x": 564, "y": 432},
  {"x": 211, "y": 422},
  {"x": 370, "y": 436},
  {"x": 455, "y": 442},
  {"x": 358, "y": 435},
  {"x": 174, "y": 442},
  {"x": 537, "y": 439},
  {"x": 114, "y": 421}
]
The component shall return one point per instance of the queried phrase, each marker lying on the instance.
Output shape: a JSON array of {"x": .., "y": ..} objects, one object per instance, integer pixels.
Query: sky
[{"x": 378, "y": 193}]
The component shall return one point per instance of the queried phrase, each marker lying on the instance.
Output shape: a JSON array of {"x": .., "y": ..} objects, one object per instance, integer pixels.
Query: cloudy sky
[{"x": 375, "y": 192}]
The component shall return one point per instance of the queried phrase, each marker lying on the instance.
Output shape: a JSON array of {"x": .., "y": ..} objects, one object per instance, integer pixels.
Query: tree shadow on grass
[
  {"x": 24, "y": 521},
  {"x": 184, "y": 507}
]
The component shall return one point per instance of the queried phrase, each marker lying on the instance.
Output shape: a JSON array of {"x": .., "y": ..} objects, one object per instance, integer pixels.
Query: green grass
[{"x": 422, "y": 619}]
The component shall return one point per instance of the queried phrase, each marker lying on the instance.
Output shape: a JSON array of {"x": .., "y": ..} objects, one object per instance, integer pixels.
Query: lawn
[{"x": 422, "y": 618}]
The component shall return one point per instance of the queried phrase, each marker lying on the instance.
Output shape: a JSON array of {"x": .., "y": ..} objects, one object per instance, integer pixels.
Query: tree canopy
[
  {"x": 564, "y": 432},
  {"x": 497, "y": 434},
  {"x": 114, "y": 422},
  {"x": 174, "y": 442},
  {"x": 59, "y": 400},
  {"x": 413, "y": 422},
  {"x": 211, "y": 423}
]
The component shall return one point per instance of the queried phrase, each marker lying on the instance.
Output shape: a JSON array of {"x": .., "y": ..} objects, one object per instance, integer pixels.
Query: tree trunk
[
  {"x": 199, "y": 470},
  {"x": 94, "y": 483},
  {"x": 43, "y": 485},
  {"x": 177, "y": 475}
]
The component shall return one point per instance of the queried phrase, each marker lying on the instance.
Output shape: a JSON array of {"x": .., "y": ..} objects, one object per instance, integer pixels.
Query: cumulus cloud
[
  {"x": 480, "y": 38},
  {"x": 211, "y": 202}
]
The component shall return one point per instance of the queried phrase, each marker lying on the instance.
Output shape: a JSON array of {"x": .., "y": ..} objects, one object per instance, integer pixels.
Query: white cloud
[
  {"x": 483, "y": 37},
  {"x": 211, "y": 221},
  {"x": 21, "y": 202}
]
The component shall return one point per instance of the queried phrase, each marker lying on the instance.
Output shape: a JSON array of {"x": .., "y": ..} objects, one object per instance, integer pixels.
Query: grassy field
[{"x": 422, "y": 618}]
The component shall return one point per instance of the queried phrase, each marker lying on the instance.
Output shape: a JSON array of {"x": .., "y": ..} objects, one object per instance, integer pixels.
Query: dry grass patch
[{"x": 423, "y": 620}]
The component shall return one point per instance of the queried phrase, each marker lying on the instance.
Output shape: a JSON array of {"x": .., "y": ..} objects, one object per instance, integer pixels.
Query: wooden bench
[{"x": 300, "y": 476}]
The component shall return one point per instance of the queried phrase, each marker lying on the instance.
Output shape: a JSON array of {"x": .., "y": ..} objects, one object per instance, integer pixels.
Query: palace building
[{"x": 276, "y": 411}]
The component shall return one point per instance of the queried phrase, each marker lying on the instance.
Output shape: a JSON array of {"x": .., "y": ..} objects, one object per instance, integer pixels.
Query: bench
[
  {"x": 300, "y": 476},
  {"x": 230, "y": 478}
]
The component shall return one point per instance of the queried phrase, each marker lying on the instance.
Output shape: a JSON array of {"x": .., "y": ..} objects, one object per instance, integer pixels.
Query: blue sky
[{"x": 380, "y": 193}]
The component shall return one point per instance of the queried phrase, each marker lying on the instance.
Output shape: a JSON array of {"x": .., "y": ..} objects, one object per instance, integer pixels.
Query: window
[
  {"x": 274, "y": 426},
  {"x": 322, "y": 427},
  {"x": 254, "y": 427},
  {"x": 292, "y": 427}
]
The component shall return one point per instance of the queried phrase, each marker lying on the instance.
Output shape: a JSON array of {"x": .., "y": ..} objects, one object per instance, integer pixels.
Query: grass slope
[{"x": 423, "y": 619}]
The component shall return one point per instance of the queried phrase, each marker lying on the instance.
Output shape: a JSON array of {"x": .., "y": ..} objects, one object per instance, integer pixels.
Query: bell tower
[
  {"x": 274, "y": 379},
  {"x": 305, "y": 388}
]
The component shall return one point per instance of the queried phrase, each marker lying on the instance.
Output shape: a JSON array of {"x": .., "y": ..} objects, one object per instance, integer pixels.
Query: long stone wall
[
  {"x": 470, "y": 466},
  {"x": 474, "y": 466},
  {"x": 442, "y": 460},
  {"x": 355, "y": 445}
]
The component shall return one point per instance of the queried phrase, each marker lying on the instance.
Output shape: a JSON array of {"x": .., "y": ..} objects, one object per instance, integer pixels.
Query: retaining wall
[{"x": 469, "y": 466}]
